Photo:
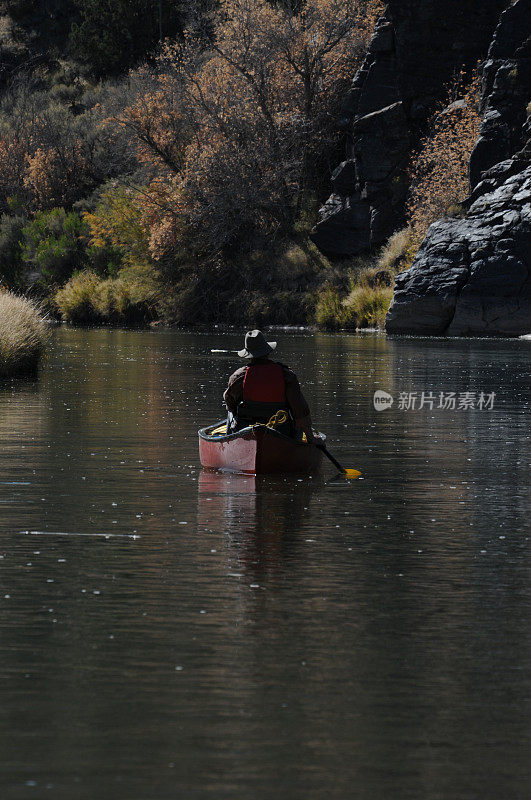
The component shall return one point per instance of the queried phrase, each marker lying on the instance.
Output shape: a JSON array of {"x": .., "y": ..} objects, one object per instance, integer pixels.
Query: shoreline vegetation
[
  {"x": 363, "y": 301},
  {"x": 135, "y": 190},
  {"x": 23, "y": 336}
]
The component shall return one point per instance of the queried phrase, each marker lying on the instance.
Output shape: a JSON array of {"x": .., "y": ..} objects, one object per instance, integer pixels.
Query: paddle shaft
[{"x": 331, "y": 457}]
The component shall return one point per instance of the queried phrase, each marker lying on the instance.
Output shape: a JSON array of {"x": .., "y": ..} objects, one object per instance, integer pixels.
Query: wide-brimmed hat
[{"x": 256, "y": 345}]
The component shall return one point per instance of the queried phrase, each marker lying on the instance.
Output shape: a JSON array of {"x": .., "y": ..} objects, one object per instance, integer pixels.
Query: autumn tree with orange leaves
[
  {"x": 50, "y": 157},
  {"x": 236, "y": 129},
  {"x": 439, "y": 170}
]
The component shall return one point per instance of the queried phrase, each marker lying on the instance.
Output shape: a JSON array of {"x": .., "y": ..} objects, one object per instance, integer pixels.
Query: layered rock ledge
[
  {"x": 472, "y": 277},
  {"x": 414, "y": 52}
]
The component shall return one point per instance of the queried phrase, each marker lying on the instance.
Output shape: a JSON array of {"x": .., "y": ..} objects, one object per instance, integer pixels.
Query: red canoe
[{"x": 257, "y": 450}]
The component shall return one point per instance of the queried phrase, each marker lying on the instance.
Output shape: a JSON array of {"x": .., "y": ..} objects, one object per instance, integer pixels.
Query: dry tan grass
[
  {"x": 129, "y": 299},
  {"x": 396, "y": 251},
  {"x": 74, "y": 300},
  {"x": 329, "y": 309},
  {"x": 23, "y": 335},
  {"x": 364, "y": 307},
  {"x": 368, "y": 305}
]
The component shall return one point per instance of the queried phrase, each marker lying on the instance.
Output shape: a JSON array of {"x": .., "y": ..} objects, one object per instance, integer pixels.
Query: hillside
[{"x": 167, "y": 162}]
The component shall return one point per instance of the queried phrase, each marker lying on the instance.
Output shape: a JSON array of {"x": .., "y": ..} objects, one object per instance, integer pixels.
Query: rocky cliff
[
  {"x": 472, "y": 276},
  {"x": 415, "y": 51}
]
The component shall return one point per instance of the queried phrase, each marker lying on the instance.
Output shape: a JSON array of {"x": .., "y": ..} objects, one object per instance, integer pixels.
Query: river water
[{"x": 171, "y": 633}]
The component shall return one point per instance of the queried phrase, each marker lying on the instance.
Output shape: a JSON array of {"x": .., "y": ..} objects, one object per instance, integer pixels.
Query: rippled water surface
[{"x": 171, "y": 633}]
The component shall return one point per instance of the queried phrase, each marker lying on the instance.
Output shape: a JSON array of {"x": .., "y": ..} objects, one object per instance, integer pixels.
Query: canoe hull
[{"x": 257, "y": 450}]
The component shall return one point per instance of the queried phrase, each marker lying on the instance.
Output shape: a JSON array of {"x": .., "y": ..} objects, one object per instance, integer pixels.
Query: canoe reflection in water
[{"x": 263, "y": 516}]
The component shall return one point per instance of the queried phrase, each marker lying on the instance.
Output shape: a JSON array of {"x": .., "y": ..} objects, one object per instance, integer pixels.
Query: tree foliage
[
  {"x": 237, "y": 129},
  {"x": 43, "y": 26},
  {"x": 203, "y": 164},
  {"x": 439, "y": 171},
  {"x": 117, "y": 230},
  {"x": 11, "y": 238},
  {"x": 50, "y": 156},
  {"x": 55, "y": 244},
  {"x": 105, "y": 37},
  {"x": 111, "y": 37}
]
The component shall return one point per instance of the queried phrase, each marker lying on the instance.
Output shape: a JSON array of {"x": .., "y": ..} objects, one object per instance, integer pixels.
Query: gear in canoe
[{"x": 268, "y": 428}]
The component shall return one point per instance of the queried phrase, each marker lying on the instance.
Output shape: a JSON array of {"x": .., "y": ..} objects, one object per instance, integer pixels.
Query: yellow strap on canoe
[
  {"x": 219, "y": 431},
  {"x": 277, "y": 419}
]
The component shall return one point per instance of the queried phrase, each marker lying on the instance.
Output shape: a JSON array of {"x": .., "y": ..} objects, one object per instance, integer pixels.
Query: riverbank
[
  {"x": 290, "y": 283},
  {"x": 23, "y": 335}
]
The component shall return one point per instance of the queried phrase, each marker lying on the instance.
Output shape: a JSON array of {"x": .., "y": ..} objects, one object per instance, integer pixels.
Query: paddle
[{"x": 348, "y": 473}]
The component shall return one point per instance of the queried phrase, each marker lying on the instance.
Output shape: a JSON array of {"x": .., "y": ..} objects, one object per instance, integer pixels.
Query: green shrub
[
  {"x": 374, "y": 277},
  {"x": 11, "y": 238},
  {"x": 119, "y": 236},
  {"x": 105, "y": 261},
  {"x": 275, "y": 283},
  {"x": 23, "y": 335},
  {"x": 55, "y": 244},
  {"x": 289, "y": 308},
  {"x": 110, "y": 37},
  {"x": 456, "y": 210}
]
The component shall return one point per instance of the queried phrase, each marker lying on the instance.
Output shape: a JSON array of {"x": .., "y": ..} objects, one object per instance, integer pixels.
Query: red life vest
[{"x": 264, "y": 383}]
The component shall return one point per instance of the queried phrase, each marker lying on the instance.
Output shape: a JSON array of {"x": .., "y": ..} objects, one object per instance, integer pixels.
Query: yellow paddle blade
[{"x": 352, "y": 473}]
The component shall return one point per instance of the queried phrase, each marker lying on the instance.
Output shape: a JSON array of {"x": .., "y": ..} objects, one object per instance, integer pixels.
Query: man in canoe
[{"x": 264, "y": 386}]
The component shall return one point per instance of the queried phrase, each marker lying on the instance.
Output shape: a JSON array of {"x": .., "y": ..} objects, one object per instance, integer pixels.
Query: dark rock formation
[
  {"x": 506, "y": 91},
  {"x": 472, "y": 276},
  {"x": 414, "y": 53}
]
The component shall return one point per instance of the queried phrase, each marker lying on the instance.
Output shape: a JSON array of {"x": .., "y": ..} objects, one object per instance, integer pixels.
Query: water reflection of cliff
[{"x": 464, "y": 447}]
